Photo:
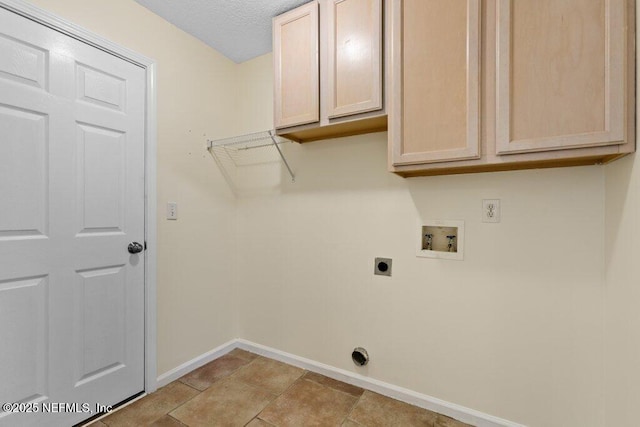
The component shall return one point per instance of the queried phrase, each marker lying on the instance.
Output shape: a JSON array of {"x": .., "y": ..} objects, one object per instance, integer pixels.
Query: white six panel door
[{"x": 71, "y": 199}]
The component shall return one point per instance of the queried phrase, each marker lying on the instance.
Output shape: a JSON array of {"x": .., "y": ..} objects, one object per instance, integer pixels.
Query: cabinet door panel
[
  {"x": 354, "y": 80},
  {"x": 435, "y": 105},
  {"x": 561, "y": 74},
  {"x": 295, "y": 53}
]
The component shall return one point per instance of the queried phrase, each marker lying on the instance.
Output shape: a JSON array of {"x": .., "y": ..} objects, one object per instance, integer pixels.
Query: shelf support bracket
[{"x": 284, "y": 160}]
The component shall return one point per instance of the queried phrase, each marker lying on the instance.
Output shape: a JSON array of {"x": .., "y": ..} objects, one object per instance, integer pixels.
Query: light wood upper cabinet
[
  {"x": 436, "y": 82},
  {"x": 354, "y": 57},
  {"x": 297, "y": 73},
  {"x": 489, "y": 85},
  {"x": 350, "y": 94},
  {"x": 560, "y": 74}
]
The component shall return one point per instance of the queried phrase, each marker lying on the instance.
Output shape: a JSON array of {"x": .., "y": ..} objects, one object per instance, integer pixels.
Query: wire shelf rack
[{"x": 247, "y": 150}]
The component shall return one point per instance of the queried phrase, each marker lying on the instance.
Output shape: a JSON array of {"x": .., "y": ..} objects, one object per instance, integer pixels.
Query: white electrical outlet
[
  {"x": 491, "y": 210},
  {"x": 172, "y": 210}
]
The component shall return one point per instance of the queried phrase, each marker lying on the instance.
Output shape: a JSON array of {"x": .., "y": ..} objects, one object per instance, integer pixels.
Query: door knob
[{"x": 135, "y": 247}]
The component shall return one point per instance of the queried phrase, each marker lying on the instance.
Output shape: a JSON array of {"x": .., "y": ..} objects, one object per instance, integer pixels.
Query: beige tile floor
[{"x": 244, "y": 389}]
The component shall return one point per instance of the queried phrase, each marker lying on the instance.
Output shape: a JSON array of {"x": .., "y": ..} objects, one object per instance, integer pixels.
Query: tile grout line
[
  {"x": 304, "y": 371},
  {"x": 183, "y": 403},
  {"x": 248, "y": 362},
  {"x": 257, "y": 416},
  {"x": 353, "y": 408},
  {"x": 262, "y": 388},
  {"x": 343, "y": 392},
  {"x": 267, "y": 422},
  {"x": 253, "y": 385},
  {"x": 200, "y": 391},
  {"x": 302, "y": 377},
  {"x": 335, "y": 389},
  {"x": 273, "y": 396},
  {"x": 177, "y": 420}
]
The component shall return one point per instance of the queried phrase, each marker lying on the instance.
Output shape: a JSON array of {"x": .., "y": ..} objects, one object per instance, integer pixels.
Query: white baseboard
[
  {"x": 193, "y": 364},
  {"x": 452, "y": 410}
]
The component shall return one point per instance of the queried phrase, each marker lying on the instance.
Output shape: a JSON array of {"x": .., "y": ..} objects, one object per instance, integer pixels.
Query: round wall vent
[{"x": 360, "y": 356}]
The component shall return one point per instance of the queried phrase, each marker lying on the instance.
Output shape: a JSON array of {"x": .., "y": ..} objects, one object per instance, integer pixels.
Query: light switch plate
[{"x": 172, "y": 210}]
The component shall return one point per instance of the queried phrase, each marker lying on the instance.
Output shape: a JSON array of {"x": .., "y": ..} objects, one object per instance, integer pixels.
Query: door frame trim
[{"x": 79, "y": 33}]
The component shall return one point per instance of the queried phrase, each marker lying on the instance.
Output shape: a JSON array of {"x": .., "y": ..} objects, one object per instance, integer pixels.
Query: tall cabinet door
[
  {"x": 435, "y": 110},
  {"x": 354, "y": 59},
  {"x": 561, "y": 74},
  {"x": 295, "y": 55}
]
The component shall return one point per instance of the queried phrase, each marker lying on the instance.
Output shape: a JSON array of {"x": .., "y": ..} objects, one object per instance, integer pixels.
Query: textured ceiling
[{"x": 239, "y": 29}]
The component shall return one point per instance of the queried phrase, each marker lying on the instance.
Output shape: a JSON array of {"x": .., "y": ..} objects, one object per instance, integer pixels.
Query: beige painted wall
[
  {"x": 518, "y": 329},
  {"x": 515, "y": 330},
  {"x": 622, "y": 303},
  {"x": 196, "y": 96},
  {"x": 255, "y": 94}
]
